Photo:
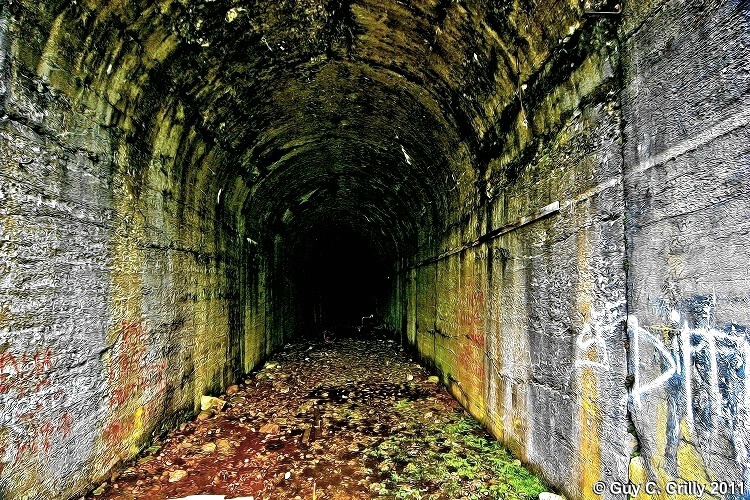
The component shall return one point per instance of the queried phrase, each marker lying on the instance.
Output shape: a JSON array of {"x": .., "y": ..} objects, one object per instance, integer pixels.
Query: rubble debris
[{"x": 360, "y": 420}]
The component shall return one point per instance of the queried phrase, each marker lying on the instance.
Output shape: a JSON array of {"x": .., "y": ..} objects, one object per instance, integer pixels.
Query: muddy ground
[{"x": 339, "y": 419}]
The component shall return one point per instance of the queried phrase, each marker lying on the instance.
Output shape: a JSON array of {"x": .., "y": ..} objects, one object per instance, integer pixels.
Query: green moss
[{"x": 449, "y": 456}]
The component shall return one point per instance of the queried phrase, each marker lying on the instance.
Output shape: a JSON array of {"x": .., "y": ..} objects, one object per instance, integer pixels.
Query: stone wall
[
  {"x": 621, "y": 199},
  {"x": 687, "y": 125},
  {"x": 126, "y": 290},
  {"x": 564, "y": 196},
  {"x": 522, "y": 309}
]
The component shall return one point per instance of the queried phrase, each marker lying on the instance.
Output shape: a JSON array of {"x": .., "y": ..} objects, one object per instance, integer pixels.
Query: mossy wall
[
  {"x": 561, "y": 194},
  {"x": 587, "y": 303},
  {"x": 521, "y": 305},
  {"x": 128, "y": 287}
]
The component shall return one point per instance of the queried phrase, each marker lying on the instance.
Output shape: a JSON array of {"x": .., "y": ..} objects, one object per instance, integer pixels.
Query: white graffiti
[
  {"x": 591, "y": 344},
  {"x": 590, "y": 339},
  {"x": 638, "y": 335},
  {"x": 720, "y": 348}
]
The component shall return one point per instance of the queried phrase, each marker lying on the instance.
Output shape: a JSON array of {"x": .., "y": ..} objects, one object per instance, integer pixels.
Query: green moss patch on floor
[{"x": 457, "y": 459}]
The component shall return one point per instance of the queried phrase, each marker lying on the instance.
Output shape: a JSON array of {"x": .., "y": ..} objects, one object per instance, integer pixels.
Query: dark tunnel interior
[
  {"x": 546, "y": 203},
  {"x": 340, "y": 277}
]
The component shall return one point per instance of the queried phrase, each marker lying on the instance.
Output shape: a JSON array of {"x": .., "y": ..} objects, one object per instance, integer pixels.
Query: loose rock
[
  {"x": 350, "y": 418},
  {"x": 212, "y": 403},
  {"x": 550, "y": 496},
  {"x": 177, "y": 475},
  {"x": 269, "y": 429}
]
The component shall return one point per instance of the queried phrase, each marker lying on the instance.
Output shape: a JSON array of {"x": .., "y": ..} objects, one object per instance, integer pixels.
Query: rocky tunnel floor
[{"x": 347, "y": 418}]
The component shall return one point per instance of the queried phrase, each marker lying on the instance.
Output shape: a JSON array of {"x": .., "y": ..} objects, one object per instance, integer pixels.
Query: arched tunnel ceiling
[{"x": 374, "y": 110}]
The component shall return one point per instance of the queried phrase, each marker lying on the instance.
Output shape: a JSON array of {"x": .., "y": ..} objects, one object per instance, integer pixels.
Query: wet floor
[{"x": 346, "y": 418}]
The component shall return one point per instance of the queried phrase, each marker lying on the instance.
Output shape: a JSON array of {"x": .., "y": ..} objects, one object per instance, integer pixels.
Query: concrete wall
[
  {"x": 687, "y": 178},
  {"x": 126, "y": 291},
  {"x": 586, "y": 296},
  {"x": 522, "y": 310},
  {"x": 621, "y": 201}
]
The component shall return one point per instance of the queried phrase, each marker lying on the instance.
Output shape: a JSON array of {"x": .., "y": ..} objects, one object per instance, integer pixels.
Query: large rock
[
  {"x": 177, "y": 475},
  {"x": 212, "y": 403}
]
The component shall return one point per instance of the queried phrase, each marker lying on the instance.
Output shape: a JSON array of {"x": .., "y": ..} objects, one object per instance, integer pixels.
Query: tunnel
[{"x": 544, "y": 202}]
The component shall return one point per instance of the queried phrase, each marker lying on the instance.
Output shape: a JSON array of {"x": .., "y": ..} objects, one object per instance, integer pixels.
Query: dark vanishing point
[{"x": 333, "y": 249}]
